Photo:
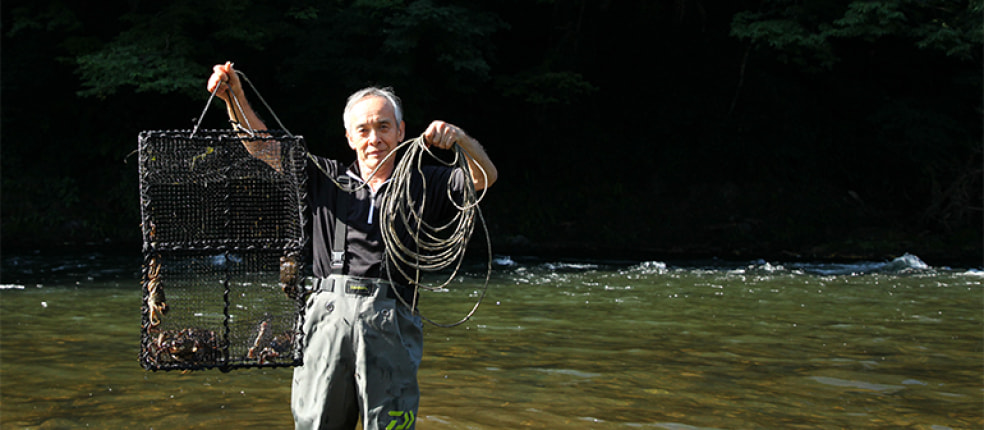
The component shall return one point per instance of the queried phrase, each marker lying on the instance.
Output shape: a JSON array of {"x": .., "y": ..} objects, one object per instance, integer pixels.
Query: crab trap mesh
[{"x": 223, "y": 240}]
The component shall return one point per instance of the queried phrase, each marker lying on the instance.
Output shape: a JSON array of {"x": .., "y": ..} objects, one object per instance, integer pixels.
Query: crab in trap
[
  {"x": 156, "y": 304},
  {"x": 188, "y": 345}
]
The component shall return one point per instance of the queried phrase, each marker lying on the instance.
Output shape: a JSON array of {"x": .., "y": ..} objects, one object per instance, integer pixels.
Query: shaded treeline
[{"x": 668, "y": 128}]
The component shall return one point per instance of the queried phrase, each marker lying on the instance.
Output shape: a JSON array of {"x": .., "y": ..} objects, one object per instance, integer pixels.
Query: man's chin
[{"x": 372, "y": 163}]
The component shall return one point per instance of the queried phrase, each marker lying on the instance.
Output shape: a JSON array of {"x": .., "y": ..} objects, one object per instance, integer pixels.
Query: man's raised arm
[{"x": 241, "y": 113}]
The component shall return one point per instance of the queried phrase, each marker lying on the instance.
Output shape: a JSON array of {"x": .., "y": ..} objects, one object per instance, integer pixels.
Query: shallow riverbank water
[{"x": 583, "y": 345}]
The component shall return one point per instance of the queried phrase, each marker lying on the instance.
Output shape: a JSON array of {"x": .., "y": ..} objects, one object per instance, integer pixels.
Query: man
[{"x": 362, "y": 345}]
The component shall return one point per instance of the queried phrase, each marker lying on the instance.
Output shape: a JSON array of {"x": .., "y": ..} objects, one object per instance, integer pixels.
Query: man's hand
[
  {"x": 444, "y": 136},
  {"x": 225, "y": 77}
]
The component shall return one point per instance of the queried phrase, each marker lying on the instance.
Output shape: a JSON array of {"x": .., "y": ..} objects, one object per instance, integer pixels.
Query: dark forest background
[{"x": 827, "y": 129}]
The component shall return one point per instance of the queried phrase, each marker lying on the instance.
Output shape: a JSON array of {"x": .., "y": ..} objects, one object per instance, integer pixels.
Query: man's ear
[{"x": 403, "y": 128}]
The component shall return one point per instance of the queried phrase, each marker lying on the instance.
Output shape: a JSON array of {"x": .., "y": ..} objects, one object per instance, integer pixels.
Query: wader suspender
[{"x": 341, "y": 229}]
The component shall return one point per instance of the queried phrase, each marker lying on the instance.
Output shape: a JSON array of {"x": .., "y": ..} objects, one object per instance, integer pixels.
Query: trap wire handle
[
  {"x": 202, "y": 116},
  {"x": 249, "y": 128}
]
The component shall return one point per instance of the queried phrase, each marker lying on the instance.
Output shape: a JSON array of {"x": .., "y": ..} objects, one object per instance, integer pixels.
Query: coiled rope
[{"x": 436, "y": 247}]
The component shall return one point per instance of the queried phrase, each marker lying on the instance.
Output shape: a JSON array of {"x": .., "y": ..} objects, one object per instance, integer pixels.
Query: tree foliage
[
  {"x": 683, "y": 124},
  {"x": 806, "y": 32}
]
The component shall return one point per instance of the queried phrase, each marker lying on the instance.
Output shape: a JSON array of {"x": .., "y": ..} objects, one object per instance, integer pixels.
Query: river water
[{"x": 555, "y": 344}]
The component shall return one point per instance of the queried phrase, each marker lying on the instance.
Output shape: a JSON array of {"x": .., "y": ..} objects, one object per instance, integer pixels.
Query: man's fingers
[
  {"x": 213, "y": 81},
  {"x": 222, "y": 74},
  {"x": 442, "y": 134},
  {"x": 218, "y": 76}
]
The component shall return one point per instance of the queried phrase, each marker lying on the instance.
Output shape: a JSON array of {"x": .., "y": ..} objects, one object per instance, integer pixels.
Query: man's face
[{"x": 373, "y": 132}]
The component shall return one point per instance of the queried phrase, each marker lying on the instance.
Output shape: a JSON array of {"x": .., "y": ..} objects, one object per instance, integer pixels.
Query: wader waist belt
[{"x": 359, "y": 286}]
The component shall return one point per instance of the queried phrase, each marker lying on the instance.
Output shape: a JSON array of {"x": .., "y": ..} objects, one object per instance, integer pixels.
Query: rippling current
[{"x": 555, "y": 344}]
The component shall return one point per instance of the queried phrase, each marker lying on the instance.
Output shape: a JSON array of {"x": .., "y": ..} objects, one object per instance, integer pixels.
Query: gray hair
[{"x": 386, "y": 93}]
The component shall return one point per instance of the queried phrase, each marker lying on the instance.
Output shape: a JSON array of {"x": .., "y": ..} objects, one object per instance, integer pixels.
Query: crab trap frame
[{"x": 223, "y": 239}]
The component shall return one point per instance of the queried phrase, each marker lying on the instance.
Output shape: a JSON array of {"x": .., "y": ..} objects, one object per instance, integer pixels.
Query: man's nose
[{"x": 375, "y": 139}]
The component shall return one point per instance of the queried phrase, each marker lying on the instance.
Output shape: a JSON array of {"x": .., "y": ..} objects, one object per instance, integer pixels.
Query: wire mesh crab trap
[{"x": 223, "y": 239}]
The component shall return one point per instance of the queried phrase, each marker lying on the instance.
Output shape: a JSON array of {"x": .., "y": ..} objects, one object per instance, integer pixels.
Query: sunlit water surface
[{"x": 714, "y": 345}]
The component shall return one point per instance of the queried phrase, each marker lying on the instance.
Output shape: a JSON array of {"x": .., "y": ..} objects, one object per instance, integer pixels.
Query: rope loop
[{"x": 436, "y": 247}]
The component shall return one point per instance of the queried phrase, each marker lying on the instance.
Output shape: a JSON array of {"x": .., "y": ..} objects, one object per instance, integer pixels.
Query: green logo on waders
[{"x": 407, "y": 420}]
